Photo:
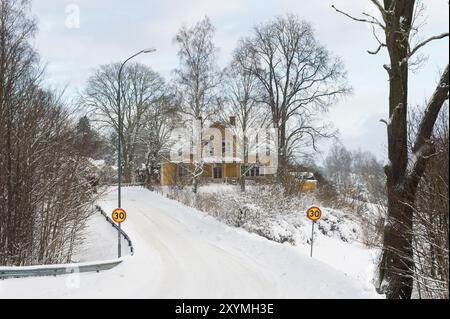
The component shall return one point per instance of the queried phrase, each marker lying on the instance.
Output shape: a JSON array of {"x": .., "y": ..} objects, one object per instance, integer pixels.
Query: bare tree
[
  {"x": 197, "y": 77},
  {"x": 300, "y": 79},
  {"x": 338, "y": 165},
  {"x": 243, "y": 93},
  {"x": 45, "y": 197},
  {"x": 141, "y": 87},
  {"x": 405, "y": 170},
  {"x": 430, "y": 213},
  {"x": 90, "y": 142},
  {"x": 154, "y": 139}
]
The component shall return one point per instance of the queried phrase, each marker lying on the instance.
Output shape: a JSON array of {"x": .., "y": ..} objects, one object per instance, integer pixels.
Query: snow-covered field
[{"x": 183, "y": 253}]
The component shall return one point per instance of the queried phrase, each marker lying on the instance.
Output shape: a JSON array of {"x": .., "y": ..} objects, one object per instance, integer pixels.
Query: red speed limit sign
[
  {"x": 119, "y": 215},
  {"x": 314, "y": 213}
]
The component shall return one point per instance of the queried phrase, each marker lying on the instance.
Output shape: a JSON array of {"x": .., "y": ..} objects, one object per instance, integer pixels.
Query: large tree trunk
[
  {"x": 195, "y": 185},
  {"x": 282, "y": 157},
  {"x": 396, "y": 267},
  {"x": 242, "y": 183},
  {"x": 397, "y": 261}
]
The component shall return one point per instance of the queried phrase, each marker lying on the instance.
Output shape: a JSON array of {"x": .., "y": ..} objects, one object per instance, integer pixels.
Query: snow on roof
[
  {"x": 307, "y": 175},
  {"x": 220, "y": 159}
]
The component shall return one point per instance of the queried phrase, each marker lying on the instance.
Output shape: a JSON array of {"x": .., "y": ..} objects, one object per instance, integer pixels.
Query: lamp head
[{"x": 150, "y": 50}]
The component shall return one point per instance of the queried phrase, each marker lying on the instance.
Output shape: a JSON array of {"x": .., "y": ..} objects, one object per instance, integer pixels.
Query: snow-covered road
[{"x": 183, "y": 253}]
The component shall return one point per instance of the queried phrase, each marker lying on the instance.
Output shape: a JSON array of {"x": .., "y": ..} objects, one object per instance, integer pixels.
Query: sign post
[
  {"x": 119, "y": 216},
  {"x": 314, "y": 213}
]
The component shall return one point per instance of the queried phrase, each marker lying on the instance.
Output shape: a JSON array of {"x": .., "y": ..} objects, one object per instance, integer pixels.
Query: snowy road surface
[{"x": 183, "y": 253}]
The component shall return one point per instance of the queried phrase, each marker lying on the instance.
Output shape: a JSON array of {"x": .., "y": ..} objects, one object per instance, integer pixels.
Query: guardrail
[
  {"x": 124, "y": 234},
  {"x": 127, "y": 184},
  {"x": 54, "y": 270},
  {"x": 64, "y": 269}
]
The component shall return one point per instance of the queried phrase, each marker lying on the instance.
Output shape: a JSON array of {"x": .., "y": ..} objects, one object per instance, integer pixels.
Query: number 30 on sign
[
  {"x": 119, "y": 215},
  {"x": 314, "y": 213}
]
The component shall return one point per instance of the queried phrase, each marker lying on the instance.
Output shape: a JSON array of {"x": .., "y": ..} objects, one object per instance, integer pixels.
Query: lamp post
[{"x": 119, "y": 144}]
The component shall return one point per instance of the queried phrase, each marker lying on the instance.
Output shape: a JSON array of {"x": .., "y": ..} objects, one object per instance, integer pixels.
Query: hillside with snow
[{"x": 181, "y": 252}]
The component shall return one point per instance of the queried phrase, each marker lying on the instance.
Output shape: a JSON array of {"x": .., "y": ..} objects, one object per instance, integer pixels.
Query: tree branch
[
  {"x": 373, "y": 22},
  {"x": 423, "y": 43},
  {"x": 423, "y": 147}
]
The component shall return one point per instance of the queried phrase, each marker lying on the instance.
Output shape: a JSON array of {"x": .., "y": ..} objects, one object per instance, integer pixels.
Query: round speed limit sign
[
  {"x": 119, "y": 215},
  {"x": 314, "y": 213}
]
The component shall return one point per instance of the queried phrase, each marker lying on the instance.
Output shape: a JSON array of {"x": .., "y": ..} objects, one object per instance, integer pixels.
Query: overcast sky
[{"x": 111, "y": 30}]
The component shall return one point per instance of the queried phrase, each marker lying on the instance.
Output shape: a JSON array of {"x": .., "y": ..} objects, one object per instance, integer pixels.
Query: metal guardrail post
[{"x": 113, "y": 224}]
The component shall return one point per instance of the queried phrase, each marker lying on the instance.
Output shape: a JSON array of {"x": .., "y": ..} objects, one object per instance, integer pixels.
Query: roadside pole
[
  {"x": 119, "y": 216},
  {"x": 314, "y": 213},
  {"x": 312, "y": 238}
]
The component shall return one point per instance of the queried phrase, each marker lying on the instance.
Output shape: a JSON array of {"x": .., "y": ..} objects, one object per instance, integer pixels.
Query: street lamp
[{"x": 119, "y": 145}]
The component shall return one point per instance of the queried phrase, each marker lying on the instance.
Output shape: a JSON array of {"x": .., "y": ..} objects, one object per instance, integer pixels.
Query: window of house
[
  {"x": 182, "y": 171},
  {"x": 254, "y": 171},
  {"x": 217, "y": 172},
  {"x": 224, "y": 144},
  {"x": 250, "y": 172}
]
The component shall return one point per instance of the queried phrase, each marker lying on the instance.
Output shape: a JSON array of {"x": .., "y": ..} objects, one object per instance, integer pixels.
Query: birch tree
[
  {"x": 242, "y": 102},
  {"x": 197, "y": 78}
]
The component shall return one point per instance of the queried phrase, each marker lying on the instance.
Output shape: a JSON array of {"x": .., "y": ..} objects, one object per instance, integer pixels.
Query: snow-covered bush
[{"x": 266, "y": 210}]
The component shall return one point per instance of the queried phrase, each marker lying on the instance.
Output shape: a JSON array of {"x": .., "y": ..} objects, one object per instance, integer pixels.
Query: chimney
[{"x": 233, "y": 120}]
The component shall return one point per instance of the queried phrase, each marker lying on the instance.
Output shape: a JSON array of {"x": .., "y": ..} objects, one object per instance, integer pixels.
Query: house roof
[
  {"x": 220, "y": 159},
  {"x": 303, "y": 175}
]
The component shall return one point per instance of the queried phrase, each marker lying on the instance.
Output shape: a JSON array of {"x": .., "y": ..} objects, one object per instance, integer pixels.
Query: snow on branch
[
  {"x": 425, "y": 42},
  {"x": 373, "y": 20}
]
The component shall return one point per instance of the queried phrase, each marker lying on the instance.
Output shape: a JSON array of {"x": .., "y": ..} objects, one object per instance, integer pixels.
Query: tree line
[
  {"x": 45, "y": 194},
  {"x": 279, "y": 77}
]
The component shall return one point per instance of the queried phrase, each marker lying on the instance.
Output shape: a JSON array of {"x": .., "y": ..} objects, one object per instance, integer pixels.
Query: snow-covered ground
[
  {"x": 100, "y": 241},
  {"x": 183, "y": 253},
  {"x": 338, "y": 236}
]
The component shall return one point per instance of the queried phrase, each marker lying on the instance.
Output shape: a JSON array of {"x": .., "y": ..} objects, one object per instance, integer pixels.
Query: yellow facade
[
  {"x": 307, "y": 186},
  {"x": 208, "y": 170},
  {"x": 231, "y": 170},
  {"x": 171, "y": 172},
  {"x": 168, "y": 173}
]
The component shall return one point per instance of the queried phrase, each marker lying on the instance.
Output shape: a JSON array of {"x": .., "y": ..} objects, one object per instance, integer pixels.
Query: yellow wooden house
[{"x": 218, "y": 167}]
